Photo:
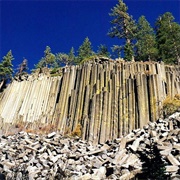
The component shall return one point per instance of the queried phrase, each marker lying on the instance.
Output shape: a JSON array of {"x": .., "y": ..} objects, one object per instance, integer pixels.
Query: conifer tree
[
  {"x": 168, "y": 38},
  {"x": 47, "y": 60},
  {"x": 6, "y": 69},
  {"x": 103, "y": 51},
  {"x": 62, "y": 58},
  {"x": 146, "y": 41},
  {"x": 123, "y": 28},
  {"x": 84, "y": 51},
  {"x": 153, "y": 166},
  {"x": 116, "y": 49},
  {"x": 128, "y": 52},
  {"x": 71, "y": 56}
]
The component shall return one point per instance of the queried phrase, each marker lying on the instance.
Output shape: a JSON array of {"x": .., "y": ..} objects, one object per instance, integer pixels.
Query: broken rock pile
[{"x": 30, "y": 156}]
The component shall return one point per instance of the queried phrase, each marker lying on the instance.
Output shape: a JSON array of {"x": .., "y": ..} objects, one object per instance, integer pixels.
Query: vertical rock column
[
  {"x": 85, "y": 119},
  {"x": 92, "y": 119},
  {"x": 61, "y": 108},
  {"x": 23, "y": 110},
  {"x": 114, "y": 119},
  {"x": 142, "y": 97},
  {"x": 153, "y": 97},
  {"x": 52, "y": 99},
  {"x": 131, "y": 105},
  {"x": 80, "y": 99},
  {"x": 107, "y": 75},
  {"x": 170, "y": 77},
  {"x": 73, "y": 98},
  {"x": 124, "y": 102},
  {"x": 120, "y": 98},
  {"x": 104, "y": 118}
]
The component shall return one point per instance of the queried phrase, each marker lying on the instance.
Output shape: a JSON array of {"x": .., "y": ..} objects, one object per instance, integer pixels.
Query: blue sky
[{"x": 27, "y": 27}]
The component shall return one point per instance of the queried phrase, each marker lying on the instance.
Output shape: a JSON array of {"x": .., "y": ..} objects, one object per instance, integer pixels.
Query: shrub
[
  {"x": 54, "y": 70},
  {"x": 171, "y": 105},
  {"x": 153, "y": 167},
  {"x": 77, "y": 131}
]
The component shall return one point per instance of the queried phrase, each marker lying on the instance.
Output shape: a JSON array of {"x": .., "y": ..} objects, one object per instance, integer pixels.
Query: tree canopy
[
  {"x": 138, "y": 41},
  {"x": 6, "y": 69},
  {"x": 84, "y": 51},
  {"x": 146, "y": 41},
  {"x": 103, "y": 50},
  {"x": 123, "y": 27},
  {"x": 47, "y": 60},
  {"x": 168, "y": 38}
]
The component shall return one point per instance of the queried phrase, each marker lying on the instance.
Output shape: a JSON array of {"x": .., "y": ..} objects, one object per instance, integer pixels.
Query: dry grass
[
  {"x": 30, "y": 128},
  {"x": 67, "y": 130},
  {"x": 77, "y": 131},
  {"x": 47, "y": 129},
  {"x": 40, "y": 129},
  {"x": 171, "y": 105}
]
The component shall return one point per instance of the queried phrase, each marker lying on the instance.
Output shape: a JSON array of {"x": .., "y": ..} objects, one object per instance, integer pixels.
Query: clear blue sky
[{"x": 27, "y": 27}]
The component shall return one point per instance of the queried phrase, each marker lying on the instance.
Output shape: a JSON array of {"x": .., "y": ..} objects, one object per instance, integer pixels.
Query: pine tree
[
  {"x": 49, "y": 57},
  {"x": 40, "y": 64},
  {"x": 168, "y": 38},
  {"x": 103, "y": 51},
  {"x": 6, "y": 69},
  {"x": 123, "y": 27},
  {"x": 128, "y": 52},
  {"x": 47, "y": 60},
  {"x": 153, "y": 166},
  {"x": 62, "y": 58},
  {"x": 85, "y": 50},
  {"x": 71, "y": 56},
  {"x": 146, "y": 41},
  {"x": 116, "y": 49}
]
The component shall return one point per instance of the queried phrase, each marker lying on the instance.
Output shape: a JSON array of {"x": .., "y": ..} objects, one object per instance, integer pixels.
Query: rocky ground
[{"x": 30, "y": 156}]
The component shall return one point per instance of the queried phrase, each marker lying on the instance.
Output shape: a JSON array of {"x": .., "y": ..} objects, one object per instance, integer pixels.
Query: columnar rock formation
[{"x": 106, "y": 98}]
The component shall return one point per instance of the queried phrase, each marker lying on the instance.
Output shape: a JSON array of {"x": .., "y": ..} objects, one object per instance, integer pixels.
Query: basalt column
[{"x": 105, "y": 99}]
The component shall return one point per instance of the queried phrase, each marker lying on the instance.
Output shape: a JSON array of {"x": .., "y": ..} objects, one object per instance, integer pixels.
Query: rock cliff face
[{"x": 106, "y": 99}]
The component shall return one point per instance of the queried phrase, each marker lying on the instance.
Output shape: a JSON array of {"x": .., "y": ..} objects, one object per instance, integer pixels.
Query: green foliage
[
  {"x": 63, "y": 58},
  {"x": 48, "y": 56},
  {"x": 128, "y": 52},
  {"x": 124, "y": 27},
  {"x": 123, "y": 23},
  {"x": 103, "y": 51},
  {"x": 71, "y": 56},
  {"x": 84, "y": 51},
  {"x": 146, "y": 41},
  {"x": 56, "y": 71},
  {"x": 153, "y": 166},
  {"x": 168, "y": 38},
  {"x": 6, "y": 67},
  {"x": 171, "y": 105},
  {"x": 47, "y": 60},
  {"x": 40, "y": 64},
  {"x": 116, "y": 49},
  {"x": 90, "y": 58}
]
